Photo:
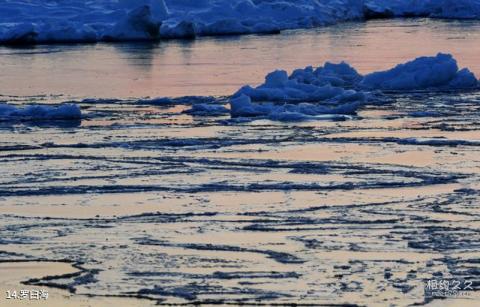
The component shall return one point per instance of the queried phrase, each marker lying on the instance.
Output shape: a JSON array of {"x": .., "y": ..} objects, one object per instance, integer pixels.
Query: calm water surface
[{"x": 219, "y": 66}]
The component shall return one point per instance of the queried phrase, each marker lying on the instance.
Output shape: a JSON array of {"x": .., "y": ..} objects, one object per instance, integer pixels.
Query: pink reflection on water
[{"x": 219, "y": 66}]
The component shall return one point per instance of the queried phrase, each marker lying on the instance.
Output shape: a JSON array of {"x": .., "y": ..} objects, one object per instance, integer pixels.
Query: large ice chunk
[
  {"x": 339, "y": 89},
  {"x": 327, "y": 83}
]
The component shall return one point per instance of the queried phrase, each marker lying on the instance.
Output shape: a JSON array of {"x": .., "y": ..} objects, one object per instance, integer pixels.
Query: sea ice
[
  {"x": 186, "y": 100},
  {"x": 203, "y": 109},
  {"x": 335, "y": 89},
  {"x": 39, "y": 112},
  {"x": 453, "y": 9},
  {"x": 327, "y": 83},
  {"x": 139, "y": 25},
  {"x": 225, "y": 17},
  {"x": 330, "y": 87},
  {"x": 24, "y": 21},
  {"x": 242, "y": 106},
  {"x": 422, "y": 73}
]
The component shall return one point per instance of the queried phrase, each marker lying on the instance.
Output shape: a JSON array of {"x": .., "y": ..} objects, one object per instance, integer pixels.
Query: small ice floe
[
  {"x": 243, "y": 107},
  {"x": 203, "y": 109},
  {"x": 185, "y": 100},
  {"x": 40, "y": 112},
  {"x": 438, "y": 72},
  {"x": 438, "y": 142},
  {"x": 335, "y": 91},
  {"x": 23, "y": 22}
]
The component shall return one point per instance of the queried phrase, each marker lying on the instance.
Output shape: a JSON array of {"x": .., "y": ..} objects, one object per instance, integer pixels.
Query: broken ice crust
[
  {"x": 24, "y": 22},
  {"x": 338, "y": 90}
]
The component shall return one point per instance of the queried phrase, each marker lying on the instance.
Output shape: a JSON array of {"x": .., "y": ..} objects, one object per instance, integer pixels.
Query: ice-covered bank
[
  {"x": 450, "y": 9},
  {"x": 338, "y": 89},
  {"x": 40, "y": 112},
  {"x": 23, "y": 21}
]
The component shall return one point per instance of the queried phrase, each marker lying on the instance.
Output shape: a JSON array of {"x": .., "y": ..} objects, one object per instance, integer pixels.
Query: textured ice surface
[
  {"x": 156, "y": 203},
  {"x": 207, "y": 109},
  {"x": 23, "y": 21}
]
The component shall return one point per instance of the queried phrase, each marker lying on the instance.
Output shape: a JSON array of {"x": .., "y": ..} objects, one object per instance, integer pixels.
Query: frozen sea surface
[{"x": 157, "y": 203}]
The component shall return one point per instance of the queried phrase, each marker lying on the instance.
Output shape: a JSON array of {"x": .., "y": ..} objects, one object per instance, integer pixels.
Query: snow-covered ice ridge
[
  {"x": 25, "y": 21},
  {"x": 337, "y": 90}
]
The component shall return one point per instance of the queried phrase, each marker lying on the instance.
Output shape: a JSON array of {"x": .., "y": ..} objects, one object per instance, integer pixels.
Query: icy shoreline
[{"x": 23, "y": 22}]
